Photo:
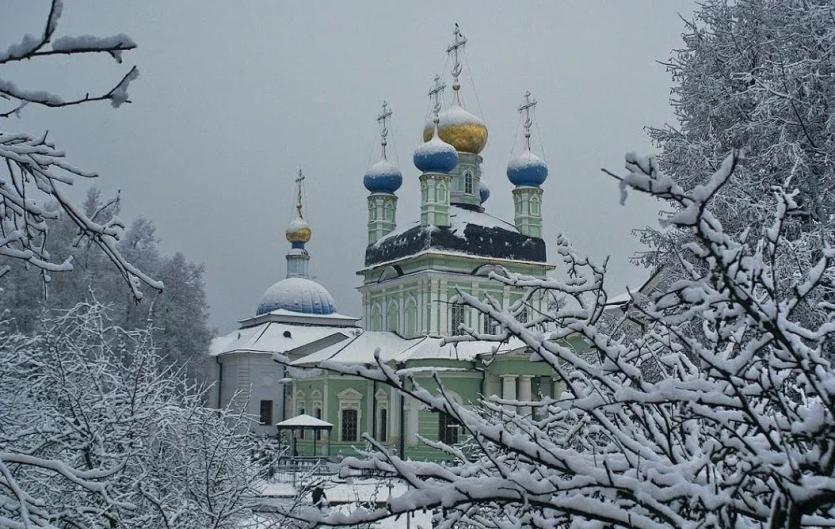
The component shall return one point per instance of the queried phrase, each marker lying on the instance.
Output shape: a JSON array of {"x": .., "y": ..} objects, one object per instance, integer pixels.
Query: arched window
[
  {"x": 376, "y": 323},
  {"x": 468, "y": 182},
  {"x": 456, "y": 318},
  {"x": 392, "y": 318},
  {"x": 424, "y": 192},
  {"x": 534, "y": 206},
  {"x": 410, "y": 315},
  {"x": 440, "y": 193}
]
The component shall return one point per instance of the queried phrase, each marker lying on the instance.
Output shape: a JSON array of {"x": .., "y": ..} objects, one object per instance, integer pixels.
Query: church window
[
  {"x": 523, "y": 316},
  {"x": 411, "y": 318},
  {"x": 301, "y": 432},
  {"x": 440, "y": 193},
  {"x": 456, "y": 318},
  {"x": 376, "y": 319},
  {"x": 534, "y": 206},
  {"x": 468, "y": 182},
  {"x": 392, "y": 318},
  {"x": 489, "y": 325},
  {"x": 424, "y": 192},
  {"x": 266, "y": 415},
  {"x": 349, "y": 425},
  {"x": 448, "y": 429},
  {"x": 382, "y": 426}
]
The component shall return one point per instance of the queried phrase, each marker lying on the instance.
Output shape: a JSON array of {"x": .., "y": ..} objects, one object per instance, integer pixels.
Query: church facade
[{"x": 411, "y": 277}]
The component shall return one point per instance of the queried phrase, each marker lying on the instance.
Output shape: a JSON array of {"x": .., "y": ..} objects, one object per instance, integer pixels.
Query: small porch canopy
[{"x": 305, "y": 422}]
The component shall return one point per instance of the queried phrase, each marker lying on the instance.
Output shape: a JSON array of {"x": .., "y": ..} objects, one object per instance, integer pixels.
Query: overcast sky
[{"x": 234, "y": 97}]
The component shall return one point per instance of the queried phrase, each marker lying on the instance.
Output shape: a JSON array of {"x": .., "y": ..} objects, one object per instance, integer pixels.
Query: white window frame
[{"x": 350, "y": 399}]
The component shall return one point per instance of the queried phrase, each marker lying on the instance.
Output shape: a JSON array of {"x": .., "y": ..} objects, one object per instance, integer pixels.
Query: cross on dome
[
  {"x": 299, "y": 180},
  {"x": 525, "y": 109},
  {"x": 298, "y": 232},
  {"x": 458, "y": 43},
  {"x": 382, "y": 118},
  {"x": 435, "y": 95}
]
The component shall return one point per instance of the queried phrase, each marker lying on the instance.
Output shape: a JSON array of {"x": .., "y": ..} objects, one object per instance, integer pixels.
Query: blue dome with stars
[
  {"x": 436, "y": 156},
  {"x": 383, "y": 177},
  {"x": 527, "y": 169}
]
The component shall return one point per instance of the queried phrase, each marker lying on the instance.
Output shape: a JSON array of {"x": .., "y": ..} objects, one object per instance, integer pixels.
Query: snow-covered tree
[
  {"x": 95, "y": 431},
  {"x": 755, "y": 75},
  {"x": 738, "y": 431},
  {"x": 180, "y": 312},
  {"x": 34, "y": 173}
]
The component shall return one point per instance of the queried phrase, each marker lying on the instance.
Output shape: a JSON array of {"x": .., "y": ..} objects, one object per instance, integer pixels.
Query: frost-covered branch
[
  {"x": 717, "y": 413},
  {"x": 95, "y": 431},
  {"x": 33, "y": 171}
]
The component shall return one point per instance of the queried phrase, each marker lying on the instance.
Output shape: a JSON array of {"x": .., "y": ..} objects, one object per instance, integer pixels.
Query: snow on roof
[
  {"x": 436, "y": 349},
  {"x": 394, "y": 348},
  {"x": 360, "y": 350},
  {"x": 272, "y": 337},
  {"x": 304, "y": 421},
  {"x": 459, "y": 219}
]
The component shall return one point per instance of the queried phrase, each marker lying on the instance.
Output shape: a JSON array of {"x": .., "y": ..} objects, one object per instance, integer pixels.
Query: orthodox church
[{"x": 410, "y": 279}]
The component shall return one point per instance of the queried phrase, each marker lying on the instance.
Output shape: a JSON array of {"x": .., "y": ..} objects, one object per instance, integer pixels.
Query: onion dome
[
  {"x": 298, "y": 232},
  {"x": 459, "y": 128},
  {"x": 383, "y": 177},
  {"x": 297, "y": 294},
  {"x": 483, "y": 192},
  {"x": 435, "y": 156},
  {"x": 527, "y": 169}
]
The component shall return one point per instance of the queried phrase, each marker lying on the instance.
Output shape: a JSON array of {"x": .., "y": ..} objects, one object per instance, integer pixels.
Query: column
[
  {"x": 525, "y": 393},
  {"x": 509, "y": 389},
  {"x": 411, "y": 421}
]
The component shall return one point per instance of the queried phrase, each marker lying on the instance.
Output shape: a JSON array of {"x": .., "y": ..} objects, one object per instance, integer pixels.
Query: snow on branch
[
  {"x": 715, "y": 411},
  {"x": 33, "y": 171}
]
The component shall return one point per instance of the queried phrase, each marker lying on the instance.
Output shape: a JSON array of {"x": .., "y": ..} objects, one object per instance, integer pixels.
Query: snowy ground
[{"x": 341, "y": 495}]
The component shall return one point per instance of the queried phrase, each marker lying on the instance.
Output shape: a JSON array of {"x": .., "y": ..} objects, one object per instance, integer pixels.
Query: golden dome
[
  {"x": 459, "y": 128},
  {"x": 298, "y": 231}
]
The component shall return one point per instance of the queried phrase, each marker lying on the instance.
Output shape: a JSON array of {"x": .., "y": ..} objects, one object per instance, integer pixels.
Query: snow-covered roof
[
  {"x": 393, "y": 348},
  {"x": 303, "y": 421},
  {"x": 360, "y": 349},
  {"x": 470, "y": 232},
  {"x": 274, "y": 337}
]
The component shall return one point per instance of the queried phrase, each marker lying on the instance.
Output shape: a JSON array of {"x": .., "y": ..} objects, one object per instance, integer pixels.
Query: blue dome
[
  {"x": 297, "y": 294},
  {"x": 527, "y": 169},
  {"x": 435, "y": 156},
  {"x": 383, "y": 177},
  {"x": 483, "y": 192}
]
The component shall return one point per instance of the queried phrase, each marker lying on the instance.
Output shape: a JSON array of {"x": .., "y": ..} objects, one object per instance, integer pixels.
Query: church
[{"x": 410, "y": 279}]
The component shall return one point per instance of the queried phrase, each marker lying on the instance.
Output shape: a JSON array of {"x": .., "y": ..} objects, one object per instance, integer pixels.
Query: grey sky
[{"x": 232, "y": 100}]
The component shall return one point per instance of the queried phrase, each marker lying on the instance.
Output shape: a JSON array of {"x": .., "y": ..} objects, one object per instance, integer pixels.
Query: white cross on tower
[
  {"x": 384, "y": 131},
  {"x": 525, "y": 109},
  {"x": 435, "y": 96},
  {"x": 458, "y": 42}
]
